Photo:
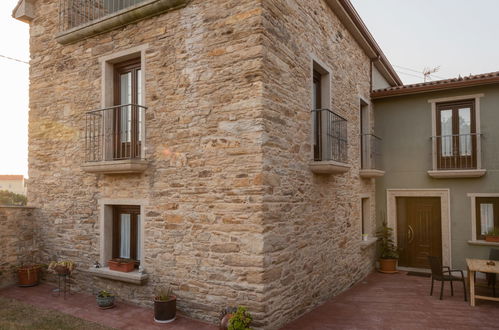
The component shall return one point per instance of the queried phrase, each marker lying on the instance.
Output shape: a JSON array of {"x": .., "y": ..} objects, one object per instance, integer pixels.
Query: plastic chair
[{"x": 439, "y": 274}]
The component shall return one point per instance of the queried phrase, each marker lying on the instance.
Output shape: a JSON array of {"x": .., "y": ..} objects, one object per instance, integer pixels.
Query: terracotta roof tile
[
  {"x": 471, "y": 80},
  {"x": 11, "y": 177}
]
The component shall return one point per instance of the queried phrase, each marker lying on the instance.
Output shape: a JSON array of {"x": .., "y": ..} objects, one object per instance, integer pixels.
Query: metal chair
[
  {"x": 491, "y": 277},
  {"x": 439, "y": 274}
]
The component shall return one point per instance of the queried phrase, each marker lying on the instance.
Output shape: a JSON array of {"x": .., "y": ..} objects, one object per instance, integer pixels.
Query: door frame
[{"x": 444, "y": 194}]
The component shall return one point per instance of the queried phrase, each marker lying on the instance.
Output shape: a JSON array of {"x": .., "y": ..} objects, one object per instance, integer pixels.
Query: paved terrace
[
  {"x": 381, "y": 301},
  {"x": 401, "y": 302}
]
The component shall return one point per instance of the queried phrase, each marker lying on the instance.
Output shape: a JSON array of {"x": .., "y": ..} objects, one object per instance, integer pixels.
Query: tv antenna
[{"x": 427, "y": 72}]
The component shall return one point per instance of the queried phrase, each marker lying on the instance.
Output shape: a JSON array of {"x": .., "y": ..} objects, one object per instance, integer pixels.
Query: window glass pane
[
  {"x": 125, "y": 236},
  {"x": 486, "y": 217},
  {"x": 126, "y": 113},
  {"x": 446, "y": 132},
  {"x": 139, "y": 102},
  {"x": 464, "y": 131},
  {"x": 138, "y": 237}
]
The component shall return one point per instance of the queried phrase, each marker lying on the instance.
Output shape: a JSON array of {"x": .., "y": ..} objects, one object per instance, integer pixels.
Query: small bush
[
  {"x": 241, "y": 320},
  {"x": 10, "y": 198}
]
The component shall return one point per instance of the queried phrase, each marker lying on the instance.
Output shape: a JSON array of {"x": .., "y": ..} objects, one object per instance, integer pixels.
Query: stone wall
[
  {"x": 312, "y": 222},
  {"x": 18, "y": 243},
  {"x": 233, "y": 215},
  {"x": 203, "y": 186}
]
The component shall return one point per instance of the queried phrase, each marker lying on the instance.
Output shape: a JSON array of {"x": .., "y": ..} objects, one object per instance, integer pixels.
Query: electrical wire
[
  {"x": 413, "y": 70},
  {"x": 14, "y": 59}
]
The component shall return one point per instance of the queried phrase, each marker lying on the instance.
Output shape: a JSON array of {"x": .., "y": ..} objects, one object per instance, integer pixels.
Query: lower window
[
  {"x": 487, "y": 215},
  {"x": 126, "y": 232}
]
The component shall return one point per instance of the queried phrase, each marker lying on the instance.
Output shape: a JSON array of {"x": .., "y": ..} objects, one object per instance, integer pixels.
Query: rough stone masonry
[{"x": 234, "y": 215}]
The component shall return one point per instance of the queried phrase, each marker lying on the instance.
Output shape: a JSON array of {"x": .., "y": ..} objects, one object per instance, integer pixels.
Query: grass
[{"x": 17, "y": 315}]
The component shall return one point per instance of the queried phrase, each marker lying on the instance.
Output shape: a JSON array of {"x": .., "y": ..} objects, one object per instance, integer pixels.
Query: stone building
[{"x": 224, "y": 145}]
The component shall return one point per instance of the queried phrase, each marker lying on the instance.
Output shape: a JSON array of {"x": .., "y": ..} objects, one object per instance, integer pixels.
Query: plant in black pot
[
  {"x": 105, "y": 299},
  {"x": 388, "y": 250},
  {"x": 165, "y": 306}
]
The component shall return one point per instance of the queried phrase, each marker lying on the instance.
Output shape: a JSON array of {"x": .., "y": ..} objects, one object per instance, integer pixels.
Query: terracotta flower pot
[
  {"x": 121, "y": 266},
  {"x": 388, "y": 266},
  {"x": 28, "y": 276},
  {"x": 489, "y": 238},
  {"x": 165, "y": 311},
  {"x": 224, "y": 322}
]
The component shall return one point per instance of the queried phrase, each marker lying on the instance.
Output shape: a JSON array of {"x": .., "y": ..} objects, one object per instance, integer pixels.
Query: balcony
[
  {"x": 456, "y": 156},
  {"x": 330, "y": 143},
  {"x": 114, "y": 140},
  {"x": 370, "y": 156},
  {"x": 80, "y": 19}
]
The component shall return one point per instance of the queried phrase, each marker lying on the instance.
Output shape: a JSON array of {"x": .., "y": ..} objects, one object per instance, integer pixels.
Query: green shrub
[
  {"x": 241, "y": 320},
  {"x": 387, "y": 245},
  {"x": 10, "y": 198}
]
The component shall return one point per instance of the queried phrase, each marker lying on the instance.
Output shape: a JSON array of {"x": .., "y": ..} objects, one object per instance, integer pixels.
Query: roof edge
[
  {"x": 24, "y": 11},
  {"x": 438, "y": 85},
  {"x": 353, "y": 22}
]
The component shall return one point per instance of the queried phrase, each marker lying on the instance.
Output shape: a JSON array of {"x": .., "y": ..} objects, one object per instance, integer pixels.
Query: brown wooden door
[{"x": 419, "y": 230}]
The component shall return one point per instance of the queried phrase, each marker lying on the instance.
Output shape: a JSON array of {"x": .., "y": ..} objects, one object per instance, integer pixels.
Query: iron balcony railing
[
  {"x": 457, "y": 151},
  {"x": 330, "y": 136},
  {"x": 371, "y": 152},
  {"x": 115, "y": 133},
  {"x": 73, "y": 13}
]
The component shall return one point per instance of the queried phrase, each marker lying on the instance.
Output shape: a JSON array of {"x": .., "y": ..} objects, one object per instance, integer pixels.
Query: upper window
[
  {"x": 487, "y": 215},
  {"x": 127, "y": 114},
  {"x": 456, "y": 135}
]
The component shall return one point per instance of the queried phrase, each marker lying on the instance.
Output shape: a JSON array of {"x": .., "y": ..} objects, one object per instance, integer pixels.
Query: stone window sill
[
  {"x": 482, "y": 243},
  {"x": 370, "y": 241},
  {"x": 328, "y": 167},
  {"x": 132, "y": 277},
  {"x": 119, "y": 19},
  {"x": 456, "y": 174},
  {"x": 369, "y": 173},
  {"x": 116, "y": 166}
]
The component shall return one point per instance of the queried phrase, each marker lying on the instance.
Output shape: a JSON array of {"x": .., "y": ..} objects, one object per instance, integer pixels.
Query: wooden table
[{"x": 479, "y": 265}]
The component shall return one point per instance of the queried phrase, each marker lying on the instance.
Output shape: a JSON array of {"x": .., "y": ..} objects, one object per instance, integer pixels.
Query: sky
[
  {"x": 14, "y": 42},
  {"x": 458, "y": 36}
]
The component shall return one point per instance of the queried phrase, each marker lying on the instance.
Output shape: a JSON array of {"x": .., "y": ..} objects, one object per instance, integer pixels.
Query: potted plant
[
  {"x": 105, "y": 299},
  {"x": 235, "y": 318},
  {"x": 28, "y": 275},
  {"x": 121, "y": 264},
  {"x": 62, "y": 267},
  {"x": 165, "y": 306},
  {"x": 492, "y": 235},
  {"x": 388, "y": 253},
  {"x": 225, "y": 316}
]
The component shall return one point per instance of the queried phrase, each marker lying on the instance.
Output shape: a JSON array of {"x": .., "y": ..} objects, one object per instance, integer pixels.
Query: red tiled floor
[
  {"x": 123, "y": 316},
  {"x": 399, "y": 301}
]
